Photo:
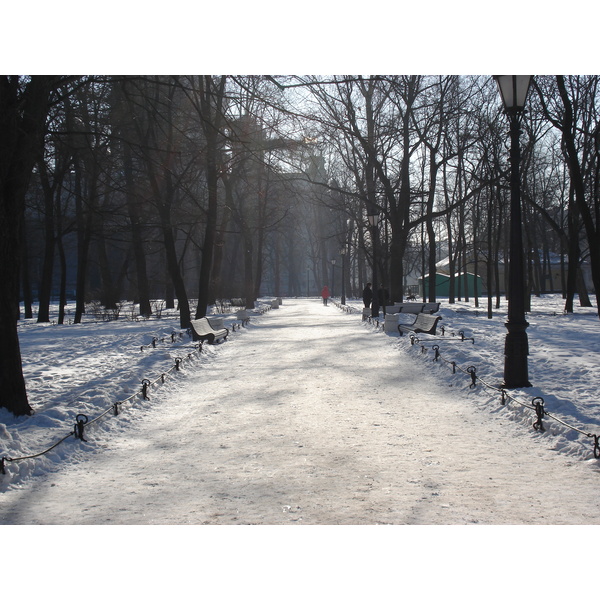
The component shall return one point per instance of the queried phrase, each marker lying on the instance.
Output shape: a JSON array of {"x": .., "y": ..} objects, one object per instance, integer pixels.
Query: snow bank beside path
[
  {"x": 313, "y": 417},
  {"x": 378, "y": 433}
]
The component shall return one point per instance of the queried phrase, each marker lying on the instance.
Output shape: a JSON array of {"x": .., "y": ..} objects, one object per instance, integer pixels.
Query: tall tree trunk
[
  {"x": 209, "y": 233},
  {"x": 576, "y": 175},
  {"x": 63, "y": 280},
  {"x": 84, "y": 218},
  {"x": 123, "y": 114},
  {"x": 23, "y": 112},
  {"x": 45, "y": 287},
  {"x": 25, "y": 279},
  {"x": 584, "y": 298},
  {"x": 216, "y": 276},
  {"x": 248, "y": 264},
  {"x": 260, "y": 242},
  {"x": 211, "y": 104},
  {"x": 52, "y": 185},
  {"x": 476, "y": 222},
  {"x": 489, "y": 263},
  {"x": 175, "y": 273},
  {"x": 451, "y": 261},
  {"x": 109, "y": 293},
  {"x": 433, "y": 169},
  {"x": 574, "y": 252},
  {"x": 139, "y": 256}
]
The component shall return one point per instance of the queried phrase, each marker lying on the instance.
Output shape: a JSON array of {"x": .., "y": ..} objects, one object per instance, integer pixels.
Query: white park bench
[{"x": 203, "y": 330}]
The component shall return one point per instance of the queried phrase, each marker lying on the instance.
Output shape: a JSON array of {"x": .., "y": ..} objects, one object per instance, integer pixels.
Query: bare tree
[
  {"x": 571, "y": 105},
  {"x": 24, "y": 107}
]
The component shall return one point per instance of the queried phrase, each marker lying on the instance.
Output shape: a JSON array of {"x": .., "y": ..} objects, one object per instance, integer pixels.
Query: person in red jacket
[{"x": 325, "y": 294}]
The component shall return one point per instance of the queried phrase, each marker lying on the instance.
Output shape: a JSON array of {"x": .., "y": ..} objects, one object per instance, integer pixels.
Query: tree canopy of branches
[{"x": 199, "y": 189}]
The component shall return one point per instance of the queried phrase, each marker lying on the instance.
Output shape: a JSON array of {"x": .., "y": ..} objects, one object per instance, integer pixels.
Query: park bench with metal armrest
[
  {"x": 203, "y": 330},
  {"x": 243, "y": 315},
  {"x": 423, "y": 323}
]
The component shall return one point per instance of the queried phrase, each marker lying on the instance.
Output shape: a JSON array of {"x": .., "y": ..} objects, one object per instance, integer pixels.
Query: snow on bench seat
[
  {"x": 424, "y": 323},
  {"x": 203, "y": 330}
]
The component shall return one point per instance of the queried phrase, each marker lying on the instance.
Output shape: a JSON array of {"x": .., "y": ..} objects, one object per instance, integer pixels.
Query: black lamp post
[
  {"x": 513, "y": 90},
  {"x": 343, "y": 255},
  {"x": 332, "y": 275},
  {"x": 373, "y": 222}
]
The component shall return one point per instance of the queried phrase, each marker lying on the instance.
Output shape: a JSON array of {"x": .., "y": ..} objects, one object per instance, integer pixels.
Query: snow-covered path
[{"x": 310, "y": 417}]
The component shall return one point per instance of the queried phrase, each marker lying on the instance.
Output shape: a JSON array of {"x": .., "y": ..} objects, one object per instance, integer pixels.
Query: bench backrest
[
  {"x": 426, "y": 323},
  {"x": 203, "y": 326},
  {"x": 201, "y": 329},
  {"x": 412, "y": 307},
  {"x": 216, "y": 322}
]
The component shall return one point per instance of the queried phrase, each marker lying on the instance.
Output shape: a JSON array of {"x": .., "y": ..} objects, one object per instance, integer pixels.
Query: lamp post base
[{"x": 516, "y": 350}]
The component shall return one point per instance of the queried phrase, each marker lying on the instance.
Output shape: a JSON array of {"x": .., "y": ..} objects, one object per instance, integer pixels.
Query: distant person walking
[
  {"x": 367, "y": 295},
  {"x": 325, "y": 294}
]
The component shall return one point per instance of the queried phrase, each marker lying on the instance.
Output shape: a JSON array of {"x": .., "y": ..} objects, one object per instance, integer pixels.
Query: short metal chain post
[
  {"x": 472, "y": 372},
  {"x": 538, "y": 404},
  {"x": 145, "y": 384},
  {"x": 80, "y": 422}
]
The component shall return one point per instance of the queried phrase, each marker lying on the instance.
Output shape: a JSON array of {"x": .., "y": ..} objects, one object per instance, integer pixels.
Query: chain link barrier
[
  {"x": 537, "y": 404},
  {"x": 173, "y": 337},
  {"x": 82, "y": 421}
]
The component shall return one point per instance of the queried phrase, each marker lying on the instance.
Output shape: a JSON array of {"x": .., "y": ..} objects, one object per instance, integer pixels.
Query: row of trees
[
  {"x": 196, "y": 188},
  {"x": 430, "y": 154}
]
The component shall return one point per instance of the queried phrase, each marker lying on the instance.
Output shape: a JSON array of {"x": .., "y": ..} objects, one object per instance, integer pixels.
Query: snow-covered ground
[
  {"x": 87, "y": 368},
  {"x": 307, "y": 416}
]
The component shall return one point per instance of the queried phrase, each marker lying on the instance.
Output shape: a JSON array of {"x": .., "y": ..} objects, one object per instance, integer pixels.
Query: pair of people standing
[{"x": 382, "y": 295}]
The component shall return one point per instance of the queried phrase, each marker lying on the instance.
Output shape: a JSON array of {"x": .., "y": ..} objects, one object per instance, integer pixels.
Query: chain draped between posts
[
  {"x": 537, "y": 404},
  {"x": 82, "y": 421}
]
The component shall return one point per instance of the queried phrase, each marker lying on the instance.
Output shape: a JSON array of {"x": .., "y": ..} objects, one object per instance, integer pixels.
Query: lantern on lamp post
[{"x": 513, "y": 90}]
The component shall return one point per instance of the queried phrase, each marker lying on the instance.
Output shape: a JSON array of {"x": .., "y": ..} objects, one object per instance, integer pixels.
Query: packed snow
[{"x": 308, "y": 415}]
